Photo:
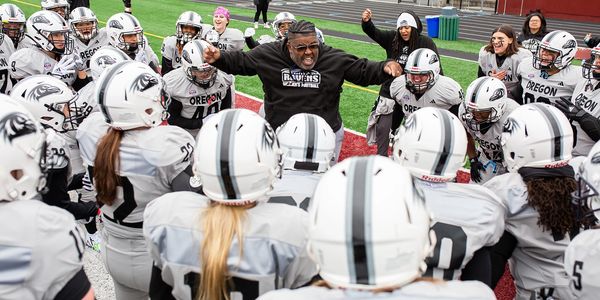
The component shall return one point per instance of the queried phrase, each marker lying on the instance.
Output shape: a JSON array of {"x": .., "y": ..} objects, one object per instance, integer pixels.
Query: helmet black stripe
[
  {"x": 417, "y": 57},
  {"x": 11, "y": 11},
  {"x": 225, "y": 147},
  {"x": 551, "y": 35},
  {"x": 476, "y": 90},
  {"x": 311, "y": 137},
  {"x": 190, "y": 17},
  {"x": 556, "y": 148},
  {"x": 133, "y": 20},
  {"x": 358, "y": 221},
  {"x": 102, "y": 89},
  {"x": 447, "y": 140}
]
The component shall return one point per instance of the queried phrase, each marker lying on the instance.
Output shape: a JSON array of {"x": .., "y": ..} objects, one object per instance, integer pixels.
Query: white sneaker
[
  {"x": 93, "y": 241},
  {"x": 255, "y": 25},
  {"x": 267, "y": 25}
]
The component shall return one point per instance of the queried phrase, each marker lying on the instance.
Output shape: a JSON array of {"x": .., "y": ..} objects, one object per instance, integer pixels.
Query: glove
[
  {"x": 64, "y": 68},
  {"x": 249, "y": 32},
  {"x": 141, "y": 56},
  {"x": 79, "y": 64},
  {"x": 476, "y": 168},
  {"x": 572, "y": 111}
]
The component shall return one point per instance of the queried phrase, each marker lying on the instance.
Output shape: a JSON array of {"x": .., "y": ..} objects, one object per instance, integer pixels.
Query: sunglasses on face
[{"x": 302, "y": 48}]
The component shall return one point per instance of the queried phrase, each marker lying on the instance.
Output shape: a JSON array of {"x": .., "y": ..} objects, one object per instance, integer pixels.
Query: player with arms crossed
[
  {"x": 308, "y": 145},
  {"x": 198, "y": 89},
  {"x": 34, "y": 234},
  {"x": 359, "y": 255},
  {"x": 537, "y": 141},
  {"x": 247, "y": 247},
  {"x": 483, "y": 113},
  {"x": 189, "y": 27},
  {"x": 432, "y": 145},
  {"x": 549, "y": 74},
  {"x": 132, "y": 160}
]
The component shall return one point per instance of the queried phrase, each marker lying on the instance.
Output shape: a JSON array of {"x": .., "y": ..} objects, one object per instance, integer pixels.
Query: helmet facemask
[
  {"x": 14, "y": 30},
  {"x": 587, "y": 202},
  {"x": 422, "y": 85},
  {"x": 78, "y": 111},
  {"x": 131, "y": 47},
  {"x": 85, "y": 30},
  {"x": 591, "y": 67},
  {"x": 481, "y": 119},
  {"x": 52, "y": 42},
  {"x": 204, "y": 77},
  {"x": 184, "y": 36}
]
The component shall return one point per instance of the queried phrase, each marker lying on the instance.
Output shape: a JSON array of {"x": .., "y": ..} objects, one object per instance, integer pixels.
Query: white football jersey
[
  {"x": 466, "y": 218},
  {"x": 86, "y": 51},
  {"x": 589, "y": 100},
  {"x": 295, "y": 188},
  {"x": 150, "y": 160},
  {"x": 170, "y": 51},
  {"x": 274, "y": 246},
  {"x": 58, "y": 152},
  {"x": 197, "y": 102},
  {"x": 582, "y": 263},
  {"x": 420, "y": 290},
  {"x": 41, "y": 249},
  {"x": 487, "y": 62},
  {"x": 6, "y": 50},
  {"x": 230, "y": 40},
  {"x": 31, "y": 61},
  {"x": 537, "y": 262},
  {"x": 444, "y": 94},
  {"x": 489, "y": 150},
  {"x": 87, "y": 93},
  {"x": 538, "y": 89}
]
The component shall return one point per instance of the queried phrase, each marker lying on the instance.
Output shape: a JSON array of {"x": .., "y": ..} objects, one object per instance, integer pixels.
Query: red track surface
[{"x": 354, "y": 145}]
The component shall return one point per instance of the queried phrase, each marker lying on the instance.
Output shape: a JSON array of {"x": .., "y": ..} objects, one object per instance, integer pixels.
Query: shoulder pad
[{"x": 166, "y": 145}]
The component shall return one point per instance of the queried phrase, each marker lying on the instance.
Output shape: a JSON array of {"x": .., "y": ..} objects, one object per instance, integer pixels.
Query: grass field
[{"x": 158, "y": 19}]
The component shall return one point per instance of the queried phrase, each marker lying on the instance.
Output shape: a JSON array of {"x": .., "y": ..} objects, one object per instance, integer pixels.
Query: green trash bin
[{"x": 448, "y": 28}]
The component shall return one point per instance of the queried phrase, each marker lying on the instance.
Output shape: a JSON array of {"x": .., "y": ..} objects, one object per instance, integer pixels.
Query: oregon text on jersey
[
  {"x": 206, "y": 99},
  {"x": 541, "y": 88},
  {"x": 300, "y": 78}
]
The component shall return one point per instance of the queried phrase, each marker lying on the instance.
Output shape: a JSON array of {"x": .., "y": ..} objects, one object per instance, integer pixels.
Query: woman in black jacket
[
  {"x": 534, "y": 30},
  {"x": 398, "y": 44}
]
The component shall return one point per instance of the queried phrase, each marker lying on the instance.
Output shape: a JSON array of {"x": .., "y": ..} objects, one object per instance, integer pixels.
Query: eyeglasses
[{"x": 302, "y": 48}]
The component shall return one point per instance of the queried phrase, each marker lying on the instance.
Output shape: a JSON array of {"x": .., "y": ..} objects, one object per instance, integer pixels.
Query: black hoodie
[
  {"x": 290, "y": 90},
  {"x": 385, "y": 39}
]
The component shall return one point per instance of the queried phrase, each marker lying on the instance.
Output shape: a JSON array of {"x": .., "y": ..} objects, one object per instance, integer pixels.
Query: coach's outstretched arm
[{"x": 233, "y": 62}]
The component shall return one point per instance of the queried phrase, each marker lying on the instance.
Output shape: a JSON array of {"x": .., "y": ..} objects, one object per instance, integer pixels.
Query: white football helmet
[
  {"x": 485, "y": 95},
  {"x": 103, "y": 58},
  {"x": 308, "y": 143},
  {"x": 58, "y": 6},
  {"x": 52, "y": 102},
  {"x": 196, "y": 69},
  {"x": 13, "y": 21},
  {"x": 431, "y": 144},
  {"x": 82, "y": 15},
  {"x": 591, "y": 66},
  {"x": 320, "y": 35},
  {"x": 589, "y": 184},
  {"x": 42, "y": 25},
  {"x": 368, "y": 225},
  {"x": 131, "y": 95},
  {"x": 282, "y": 17},
  {"x": 238, "y": 157},
  {"x": 536, "y": 135},
  {"x": 121, "y": 25},
  {"x": 188, "y": 18},
  {"x": 558, "y": 41},
  {"x": 23, "y": 148},
  {"x": 422, "y": 61}
]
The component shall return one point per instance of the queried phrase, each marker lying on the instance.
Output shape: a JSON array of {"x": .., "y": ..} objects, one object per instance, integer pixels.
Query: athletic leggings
[{"x": 263, "y": 6}]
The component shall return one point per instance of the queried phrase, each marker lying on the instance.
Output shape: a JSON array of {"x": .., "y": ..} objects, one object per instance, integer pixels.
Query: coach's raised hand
[
  {"x": 393, "y": 68},
  {"x": 366, "y": 15},
  {"x": 211, "y": 54}
]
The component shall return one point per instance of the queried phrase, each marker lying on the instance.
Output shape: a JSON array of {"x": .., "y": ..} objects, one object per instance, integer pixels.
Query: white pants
[
  {"x": 129, "y": 264},
  {"x": 339, "y": 138}
]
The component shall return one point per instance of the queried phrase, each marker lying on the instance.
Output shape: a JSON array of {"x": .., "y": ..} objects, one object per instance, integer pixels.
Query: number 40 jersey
[{"x": 466, "y": 217}]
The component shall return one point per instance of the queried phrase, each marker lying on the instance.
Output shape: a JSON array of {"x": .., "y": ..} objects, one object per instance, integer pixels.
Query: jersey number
[
  {"x": 128, "y": 204},
  {"x": 577, "y": 267},
  {"x": 248, "y": 289},
  {"x": 4, "y": 80},
  {"x": 211, "y": 109},
  {"x": 445, "y": 256},
  {"x": 530, "y": 98}
]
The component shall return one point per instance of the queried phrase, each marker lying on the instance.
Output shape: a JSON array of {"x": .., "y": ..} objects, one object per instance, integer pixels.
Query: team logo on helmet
[
  {"x": 596, "y": 158},
  {"x": 186, "y": 55},
  {"x": 115, "y": 24},
  {"x": 105, "y": 61},
  {"x": 510, "y": 125},
  {"x": 268, "y": 137},
  {"x": 498, "y": 94},
  {"x": 41, "y": 91},
  {"x": 143, "y": 82},
  {"x": 569, "y": 44},
  {"x": 434, "y": 58},
  {"x": 41, "y": 19},
  {"x": 15, "y": 125}
]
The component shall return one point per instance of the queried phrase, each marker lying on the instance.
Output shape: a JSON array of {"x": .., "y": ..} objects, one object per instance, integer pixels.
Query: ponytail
[
  {"x": 106, "y": 165},
  {"x": 220, "y": 224}
]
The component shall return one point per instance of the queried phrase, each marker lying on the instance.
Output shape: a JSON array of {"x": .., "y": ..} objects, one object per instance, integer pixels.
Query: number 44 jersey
[
  {"x": 150, "y": 160},
  {"x": 466, "y": 217}
]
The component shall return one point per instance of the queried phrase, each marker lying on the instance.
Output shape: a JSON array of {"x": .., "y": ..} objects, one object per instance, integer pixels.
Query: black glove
[
  {"x": 572, "y": 111},
  {"x": 476, "y": 167}
]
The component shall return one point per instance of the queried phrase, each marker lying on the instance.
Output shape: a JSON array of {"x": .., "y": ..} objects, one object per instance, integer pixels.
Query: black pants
[
  {"x": 263, "y": 6},
  {"x": 127, "y": 3},
  {"x": 80, "y": 3}
]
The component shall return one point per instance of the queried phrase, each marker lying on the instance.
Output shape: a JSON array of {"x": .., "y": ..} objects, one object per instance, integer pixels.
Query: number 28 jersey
[
  {"x": 149, "y": 161},
  {"x": 536, "y": 88}
]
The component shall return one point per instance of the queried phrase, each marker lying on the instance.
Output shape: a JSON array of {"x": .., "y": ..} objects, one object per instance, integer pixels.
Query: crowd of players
[{"x": 199, "y": 200}]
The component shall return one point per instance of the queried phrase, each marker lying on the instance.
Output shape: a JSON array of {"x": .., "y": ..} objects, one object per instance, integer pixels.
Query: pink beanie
[{"x": 222, "y": 11}]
